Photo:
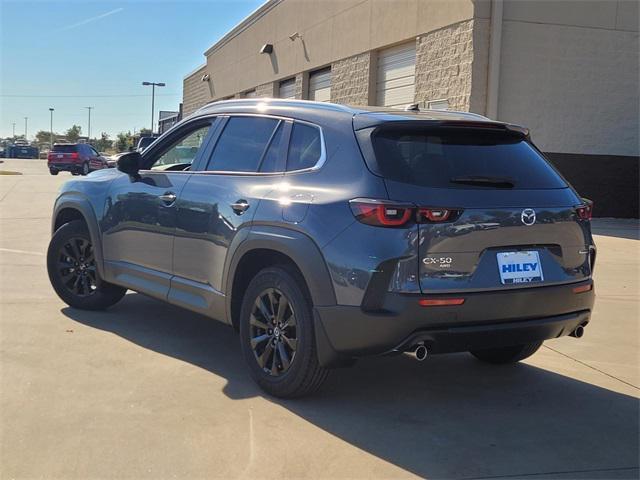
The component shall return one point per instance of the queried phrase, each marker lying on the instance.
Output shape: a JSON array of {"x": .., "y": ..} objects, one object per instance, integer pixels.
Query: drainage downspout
[{"x": 495, "y": 46}]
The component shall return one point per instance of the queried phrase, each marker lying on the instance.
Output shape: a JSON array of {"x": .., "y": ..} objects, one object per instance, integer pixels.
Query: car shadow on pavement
[{"x": 450, "y": 416}]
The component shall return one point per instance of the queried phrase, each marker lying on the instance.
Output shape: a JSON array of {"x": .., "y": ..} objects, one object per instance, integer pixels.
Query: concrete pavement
[{"x": 147, "y": 390}]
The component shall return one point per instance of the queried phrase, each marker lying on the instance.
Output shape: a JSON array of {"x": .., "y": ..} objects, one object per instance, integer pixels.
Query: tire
[
  {"x": 503, "y": 355},
  {"x": 72, "y": 270},
  {"x": 53, "y": 172},
  {"x": 85, "y": 169},
  {"x": 286, "y": 372}
]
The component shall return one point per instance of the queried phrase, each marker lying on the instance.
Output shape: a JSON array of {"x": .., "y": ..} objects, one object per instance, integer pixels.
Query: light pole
[
  {"x": 89, "y": 125},
  {"x": 26, "y": 119},
  {"x": 14, "y": 129},
  {"x": 153, "y": 97},
  {"x": 51, "y": 129}
]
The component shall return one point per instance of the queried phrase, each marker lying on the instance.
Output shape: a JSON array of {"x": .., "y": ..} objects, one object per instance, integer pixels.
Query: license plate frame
[{"x": 520, "y": 267}]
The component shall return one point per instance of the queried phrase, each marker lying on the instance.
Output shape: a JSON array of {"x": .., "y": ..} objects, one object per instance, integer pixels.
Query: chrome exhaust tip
[
  {"x": 420, "y": 353},
  {"x": 578, "y": 332}
]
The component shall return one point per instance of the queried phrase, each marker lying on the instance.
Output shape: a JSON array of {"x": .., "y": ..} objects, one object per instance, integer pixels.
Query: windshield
[{"x": 461, "y": 158}]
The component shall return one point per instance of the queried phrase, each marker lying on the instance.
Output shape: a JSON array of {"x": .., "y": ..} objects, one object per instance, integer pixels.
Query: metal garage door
[
  {"x": 396, "y": 75},
  {"x": 320, "y": 85},
  {"x": 287, "y": 88}
]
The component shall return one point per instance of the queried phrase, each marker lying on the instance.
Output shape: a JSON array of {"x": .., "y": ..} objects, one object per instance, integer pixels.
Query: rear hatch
[
  {"x": 63, "y": 154},
  {"x": 491, "y": 211}
]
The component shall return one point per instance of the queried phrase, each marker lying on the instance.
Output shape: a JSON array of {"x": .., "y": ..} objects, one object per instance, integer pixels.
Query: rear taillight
[
  {"x": 433, "y": 215},
  {"x": 585, "y": 211},
  {"x": 74, "y": 156},
  {"x": 386, "y": 213},
  {"x": 381, "y": 213},
  {"x": 49, "y": 157}
]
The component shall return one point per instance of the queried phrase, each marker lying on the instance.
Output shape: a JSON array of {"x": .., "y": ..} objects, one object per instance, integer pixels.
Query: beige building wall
[
  {"x": 569, "y": 71},
  {"x": 195, "y": 92},
  {"x": 330, "y": 31}
]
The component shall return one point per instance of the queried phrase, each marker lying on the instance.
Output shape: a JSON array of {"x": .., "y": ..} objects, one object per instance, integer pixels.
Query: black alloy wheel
[
  {"x": 77, "y": 267},
  {"x": 73, "y": 272},
  {"x": 277, "y": 333},
  {"x": 273, "y": 332}
]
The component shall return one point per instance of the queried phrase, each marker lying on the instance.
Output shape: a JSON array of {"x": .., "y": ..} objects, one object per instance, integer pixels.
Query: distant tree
[
  {"x": 74, "y": 133},
  {"x": 144, "y": 131},
  {"x": 124, "y": 141},
  {"x": 103, "y": 143},
  {"x": 44, "y": 137}
]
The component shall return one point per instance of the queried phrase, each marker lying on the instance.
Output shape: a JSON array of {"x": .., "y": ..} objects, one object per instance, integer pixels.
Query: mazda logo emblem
[{"x": 528, "y": 216}]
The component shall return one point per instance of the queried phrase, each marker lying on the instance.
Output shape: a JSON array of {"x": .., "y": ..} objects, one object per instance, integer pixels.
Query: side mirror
[{"x": 129, "y": 163}]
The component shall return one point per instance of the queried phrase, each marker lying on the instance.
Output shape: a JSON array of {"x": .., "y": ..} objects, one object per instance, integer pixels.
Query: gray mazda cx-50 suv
[{"x": 324, "y": 233}]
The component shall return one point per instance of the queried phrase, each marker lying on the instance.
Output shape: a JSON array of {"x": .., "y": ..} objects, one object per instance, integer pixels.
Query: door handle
[
  {"x": 168, "y": 197},
  {"x": 240, "y": 206}
]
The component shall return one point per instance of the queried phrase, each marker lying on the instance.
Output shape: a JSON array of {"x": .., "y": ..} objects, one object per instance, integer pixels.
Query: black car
[{"x": 324, "y": 233}]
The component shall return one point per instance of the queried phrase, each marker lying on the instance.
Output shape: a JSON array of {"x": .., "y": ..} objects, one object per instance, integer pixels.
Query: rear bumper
[
  {"x": 485, "y": 320},
  {"x": 66, "y": 167}
]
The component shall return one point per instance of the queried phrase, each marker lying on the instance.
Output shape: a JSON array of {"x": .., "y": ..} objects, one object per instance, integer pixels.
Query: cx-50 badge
[
  {"x": 441, "y": 262},
  {"x": 528, "y": 216}
]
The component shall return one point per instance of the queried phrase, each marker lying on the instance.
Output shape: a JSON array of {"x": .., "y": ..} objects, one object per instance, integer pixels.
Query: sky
[{"x": 74, "y": 54}]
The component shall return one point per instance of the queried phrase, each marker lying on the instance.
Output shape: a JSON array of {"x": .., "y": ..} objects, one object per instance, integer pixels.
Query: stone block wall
[
  {"x": 195, "y": 92},
  {"x": 350, "y": 79},
  {"x": 444, "y": 65},
  {"x": 267, "y": 90},
  {"x": 302, "y": 85}
]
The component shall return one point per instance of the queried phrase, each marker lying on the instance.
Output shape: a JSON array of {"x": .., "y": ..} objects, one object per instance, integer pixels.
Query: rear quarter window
[
  {"x": 442, "y": 157},
  {"x": 305, "y": 147}
]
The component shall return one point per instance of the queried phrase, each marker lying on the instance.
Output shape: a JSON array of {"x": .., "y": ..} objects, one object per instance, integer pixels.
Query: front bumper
[{"x": 485, "y": 320}]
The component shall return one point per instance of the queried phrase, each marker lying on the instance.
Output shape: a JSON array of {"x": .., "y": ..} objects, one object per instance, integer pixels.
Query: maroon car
[{"x": 77, "y": 158}]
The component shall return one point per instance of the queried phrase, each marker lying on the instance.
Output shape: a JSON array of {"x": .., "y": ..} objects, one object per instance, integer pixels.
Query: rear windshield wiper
[{"x": 498, "y": 182}]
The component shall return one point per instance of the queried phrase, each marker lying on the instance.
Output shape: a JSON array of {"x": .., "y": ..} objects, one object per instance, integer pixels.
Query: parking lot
[{"x": 147, "y": 390}]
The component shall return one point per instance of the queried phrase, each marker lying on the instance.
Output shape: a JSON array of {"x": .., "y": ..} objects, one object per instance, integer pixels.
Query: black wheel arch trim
[
  {"x": 303, "y": 251},
  {"x": 297, "y": 246},
  {"x": 83, "y": 206}
]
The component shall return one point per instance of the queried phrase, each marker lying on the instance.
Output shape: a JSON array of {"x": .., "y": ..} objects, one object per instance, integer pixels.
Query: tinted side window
[
  {"x": 182, "y": 153},
  {"x": 304, "y": 148},
  {"x": 270, "y": 161},
  {"x": 242, "y": 144}
]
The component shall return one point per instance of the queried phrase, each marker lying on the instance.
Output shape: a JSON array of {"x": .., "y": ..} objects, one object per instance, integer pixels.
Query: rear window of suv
[
  {"x": 461, "y": 158},
  {"x": 65, "y": 148}
]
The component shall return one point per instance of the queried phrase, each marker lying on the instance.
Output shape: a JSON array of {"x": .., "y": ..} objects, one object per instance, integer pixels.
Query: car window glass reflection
[{"x": 182, "y": 154}]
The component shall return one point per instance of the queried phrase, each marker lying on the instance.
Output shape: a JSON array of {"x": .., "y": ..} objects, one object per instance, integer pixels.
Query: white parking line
[{"x": 24, "y": 252}]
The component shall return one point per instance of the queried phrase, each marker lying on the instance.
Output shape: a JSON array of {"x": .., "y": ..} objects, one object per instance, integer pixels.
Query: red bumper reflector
[
  {"x": 439, "y": 302},
  {"x": 582, "y": 288}
]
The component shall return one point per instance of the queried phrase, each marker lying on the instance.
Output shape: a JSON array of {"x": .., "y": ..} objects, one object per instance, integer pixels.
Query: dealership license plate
[{"x": 519, "y": 267}]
